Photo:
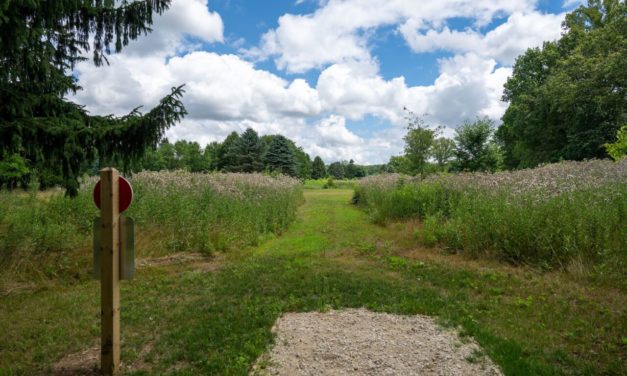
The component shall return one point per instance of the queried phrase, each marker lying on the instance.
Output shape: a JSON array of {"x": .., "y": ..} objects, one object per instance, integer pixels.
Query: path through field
[{"x": 216, "y": 316}]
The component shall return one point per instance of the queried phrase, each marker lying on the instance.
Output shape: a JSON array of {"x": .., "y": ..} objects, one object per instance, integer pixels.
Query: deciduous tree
[
  {"x": 567, "y": 99},
  {"x": 319, "y": 170},
  {"x": 443, "y": 151},
  {"x": 418, "y": 143},
  {"x": 475, "y": 148}
]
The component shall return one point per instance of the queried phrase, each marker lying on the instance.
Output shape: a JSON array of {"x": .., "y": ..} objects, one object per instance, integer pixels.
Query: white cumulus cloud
[{"x": 228, "y": 92}]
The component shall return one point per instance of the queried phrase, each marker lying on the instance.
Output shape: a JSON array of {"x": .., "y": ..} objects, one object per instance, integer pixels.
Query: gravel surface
[{"x": 360, "y": 342}]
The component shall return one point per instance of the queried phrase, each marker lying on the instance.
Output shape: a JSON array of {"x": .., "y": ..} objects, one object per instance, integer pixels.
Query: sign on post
[
  {"x": 127, "y": 247},
  {"x": 113, "y": 259}
]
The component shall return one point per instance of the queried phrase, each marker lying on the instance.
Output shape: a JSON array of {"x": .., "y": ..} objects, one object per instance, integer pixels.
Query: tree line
[
  {"x": 246, "y": 152},
  {"x": 472, "y": 149},
  {"x": 568, "y": 99}
]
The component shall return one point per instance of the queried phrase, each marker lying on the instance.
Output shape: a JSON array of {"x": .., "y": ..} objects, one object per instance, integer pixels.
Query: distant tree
[
  {"x": 249, "y": 153},
  {"x": 361, "y": 172},
  {"x": 229, "y": 153},
  {"x": 337, "y": 170},
  {"x": 167, "y": 153},
  {"x": 353, "y": 171},
  {"x": 443, "y": 151},
  {"x": 618, "y": 149},
  {"x": 475, "y": 148},
  {"x": 212, "y": 155},
  {"x": 318, "y": 170},
  {"x": 568, "y": 98},
  {"x": 13, "y": 171},
  {"x": 279, "y": 157},
  {"x": 303, "y": 162},
  {"x": 377, "y": 169},
  {"x": 189, "y": 156},
  {"x": 41, "y": 42},
  {"x": 151, "y": 161},
  {"x": 418, "y": 144},
  {"x": 400, "y": 164}
]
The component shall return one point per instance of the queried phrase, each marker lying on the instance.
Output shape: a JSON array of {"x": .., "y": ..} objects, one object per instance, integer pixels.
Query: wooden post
[{"x": 110, "y": 272}]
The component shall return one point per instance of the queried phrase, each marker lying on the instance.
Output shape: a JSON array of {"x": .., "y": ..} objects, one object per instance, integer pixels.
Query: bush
[{"x": 329, "y": 184}]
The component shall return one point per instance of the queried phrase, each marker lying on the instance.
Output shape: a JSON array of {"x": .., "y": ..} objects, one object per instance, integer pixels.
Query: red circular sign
[{"x": 126, "y": 194}]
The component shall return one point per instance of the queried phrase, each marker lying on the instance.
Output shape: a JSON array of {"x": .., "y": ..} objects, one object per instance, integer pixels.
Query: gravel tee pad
[{"x": 360, "y": 342}]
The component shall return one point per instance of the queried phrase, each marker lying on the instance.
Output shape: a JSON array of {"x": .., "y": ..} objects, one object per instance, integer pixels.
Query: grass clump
[
  {"x": 553, "y": 216},
  {"x": 50, "y": 235}
]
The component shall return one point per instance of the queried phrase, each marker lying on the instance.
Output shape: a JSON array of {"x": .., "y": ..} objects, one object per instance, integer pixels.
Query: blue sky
[{"x": 334, "y": 75}]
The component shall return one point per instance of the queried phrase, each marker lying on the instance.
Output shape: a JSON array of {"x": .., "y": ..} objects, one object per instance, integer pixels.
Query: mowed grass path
[{"x": 190, "y": 319}]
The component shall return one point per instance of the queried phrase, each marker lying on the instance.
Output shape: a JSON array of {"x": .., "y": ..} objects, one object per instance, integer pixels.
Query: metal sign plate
[{"x": 127, "y": 247}]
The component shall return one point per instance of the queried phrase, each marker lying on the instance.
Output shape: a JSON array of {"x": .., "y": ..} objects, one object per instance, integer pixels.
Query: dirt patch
[
  {"x": 176, "y": 258},
  {"x": 13, "y": 287},
  {"x": 195, "y": 261},
  {"x": 85, "y": 362},
  {"x": 360, "y": 342}
]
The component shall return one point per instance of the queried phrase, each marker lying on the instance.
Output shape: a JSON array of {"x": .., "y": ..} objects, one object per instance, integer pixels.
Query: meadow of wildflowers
[
  {"x": 173, "y": 211},
  {"x": 558, "y": 215}
]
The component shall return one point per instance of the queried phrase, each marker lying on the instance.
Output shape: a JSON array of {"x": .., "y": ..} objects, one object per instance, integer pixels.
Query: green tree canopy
[
  {"x": 443, "y": 151},
  {"x": 190, "y": 156},
  {"x": 279, "y": 157},
  {"x": 40, "y": 43},
  {"x": 567, "y": 99},
  {"x": 303, "y": 162},
  {"x": 618, "y": 149},
  {"x": 475, "y": 149},
  {"x": 354, "y": 171},
  {"x": 418, "y": 144},
  {"x": 212, "y": 154},
  {"x": 318, "y": 170},
  {"x": 249, "y": 158},
  {"x": 337, "y": 170},
  {"x": 13, "y": 171},
  {"x": 229, "y": 153},
  {"x": 399, "y": 164}
]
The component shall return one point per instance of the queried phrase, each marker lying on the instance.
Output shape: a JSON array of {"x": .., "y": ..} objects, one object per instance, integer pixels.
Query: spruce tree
[
  {"x": 318, "y": 169},
  {"x": 249, "y": 153},
  {"x": 40, "y": 43},
  {"x": 279, "y": 157}
]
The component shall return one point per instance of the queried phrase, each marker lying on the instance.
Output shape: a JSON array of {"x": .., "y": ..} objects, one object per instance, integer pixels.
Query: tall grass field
[
  {"x": 50, "y": 235},
  {"x": 564, "y": 215}
]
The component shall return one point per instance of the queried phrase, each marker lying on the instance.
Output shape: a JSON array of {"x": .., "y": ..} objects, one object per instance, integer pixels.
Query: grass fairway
[{"x": 189, "y": 319}]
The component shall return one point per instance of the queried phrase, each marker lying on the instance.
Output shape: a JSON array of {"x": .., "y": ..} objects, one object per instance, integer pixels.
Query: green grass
[{"x": 201, "y": 322}]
